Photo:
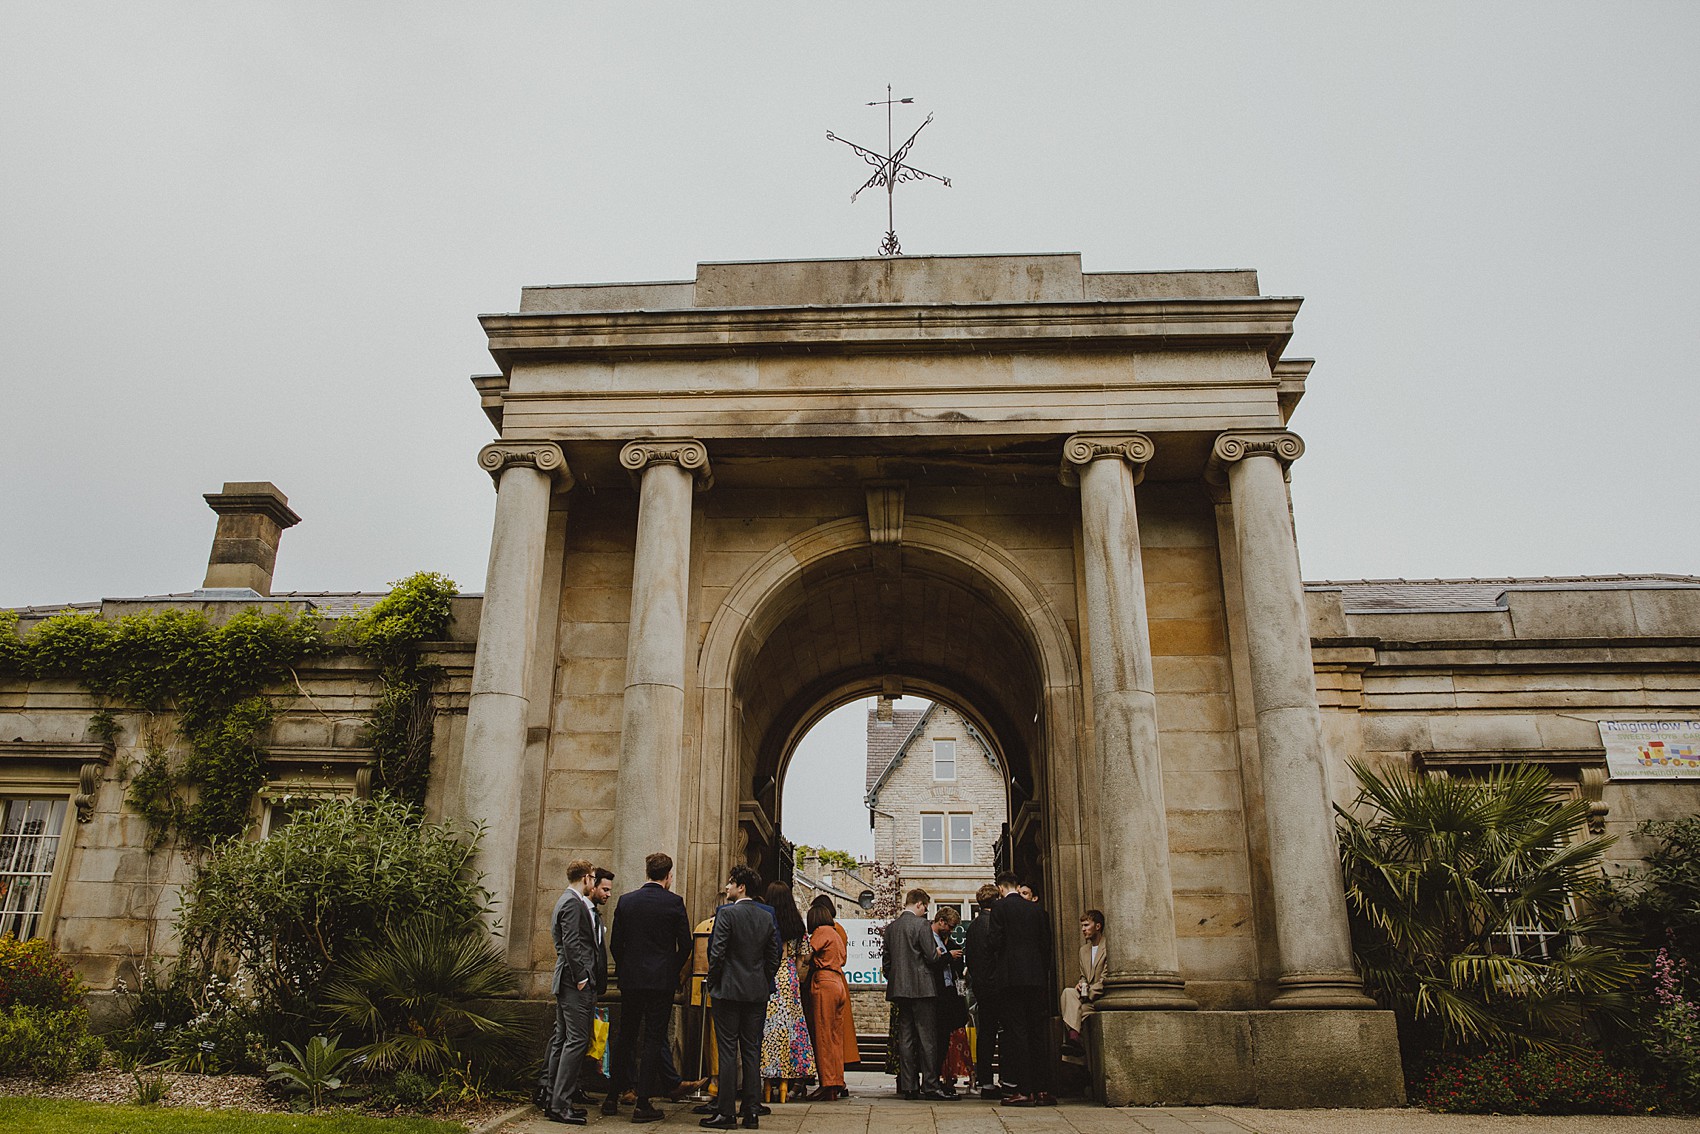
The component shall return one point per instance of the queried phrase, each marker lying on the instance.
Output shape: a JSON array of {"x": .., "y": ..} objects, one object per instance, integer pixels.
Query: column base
[
  {"x": 1145, "y": 992},
  {"x": 1321, "y": 990},
  {"x": 1325, "y": 1058}
]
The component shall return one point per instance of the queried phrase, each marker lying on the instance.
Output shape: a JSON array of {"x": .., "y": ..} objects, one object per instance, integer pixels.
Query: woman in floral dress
[{"x": 787, "y": 1056}]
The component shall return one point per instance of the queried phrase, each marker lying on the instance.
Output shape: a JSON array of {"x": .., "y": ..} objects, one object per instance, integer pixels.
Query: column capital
[
  {"x": 1084, "y": 448},
  {"x": 686, "y": 452},
  {"x": 1237, "y": 446},
  {"x": 544, "y": 456}
]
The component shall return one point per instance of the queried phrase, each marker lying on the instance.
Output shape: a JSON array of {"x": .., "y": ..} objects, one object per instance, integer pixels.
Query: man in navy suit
[
  {"x": 743, "y": 959},
  {"x": 652, "y": 942},
  {"x": 1020, "y": 943}
]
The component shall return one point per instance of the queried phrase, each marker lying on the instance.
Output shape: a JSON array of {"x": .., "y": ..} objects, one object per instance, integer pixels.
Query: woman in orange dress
[{"x": 829, "y": 1001}]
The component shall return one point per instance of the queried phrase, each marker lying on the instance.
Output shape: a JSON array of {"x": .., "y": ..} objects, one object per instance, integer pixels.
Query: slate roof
[
  {"x": 885, "y": 740},
  {"x": 1409, "y": 596},
  {"x": 331, "y": 604}
]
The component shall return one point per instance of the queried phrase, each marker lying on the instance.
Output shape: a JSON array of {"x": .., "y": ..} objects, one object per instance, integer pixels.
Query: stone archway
[
  {"x": 723, "y": 502},
  {"x": 829, "y": 615}
]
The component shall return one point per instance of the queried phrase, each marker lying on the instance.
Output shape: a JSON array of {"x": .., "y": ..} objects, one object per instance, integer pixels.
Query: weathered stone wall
[
  {"x": 1462, "y": 690},
  {"x": 113, "y": 900}
]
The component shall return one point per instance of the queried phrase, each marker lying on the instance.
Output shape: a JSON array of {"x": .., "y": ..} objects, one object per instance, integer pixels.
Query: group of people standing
[
  {"x": 775, "y": 990},
  {"x": 1006, "y": 960},
  {"x": 779, "y": 1002}
]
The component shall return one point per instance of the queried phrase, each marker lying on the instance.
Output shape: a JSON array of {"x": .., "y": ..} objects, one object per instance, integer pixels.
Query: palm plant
[
  {"x": 433, "y": 997},
  {"x": 1444, "y": 876}
]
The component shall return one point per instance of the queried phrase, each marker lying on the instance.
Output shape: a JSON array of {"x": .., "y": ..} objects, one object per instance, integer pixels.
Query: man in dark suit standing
[
  {"x": 577, "y": 964},
  {"x": 652, "y": 942},
  {"x": 743, "y": 958},
  {"x": 912, "y": 960},
  {"x": 1020, "y": 941},
  {"x": 988, "y": 997}
]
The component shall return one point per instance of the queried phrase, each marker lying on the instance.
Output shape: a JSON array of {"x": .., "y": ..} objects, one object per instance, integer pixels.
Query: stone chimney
[{"x": 251, "y": 517}]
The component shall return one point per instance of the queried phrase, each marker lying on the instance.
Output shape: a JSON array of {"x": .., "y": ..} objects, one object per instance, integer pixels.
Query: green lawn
[{"x": 64, "y": 1116}]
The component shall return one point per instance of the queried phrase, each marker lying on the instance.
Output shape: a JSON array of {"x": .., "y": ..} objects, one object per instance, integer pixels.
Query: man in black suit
[
  {"x": 988, "y": 997},
  {"x": 652, "y": 942},
  {"x": 912, "y": 960},
  {"x": 578, "y": 960},
  {"x": 743, "y": 958},
  {"x": 1020, "y": 942}
]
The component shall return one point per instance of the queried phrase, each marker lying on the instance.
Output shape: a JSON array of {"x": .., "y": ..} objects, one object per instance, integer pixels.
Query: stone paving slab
[
  {"x": 894, "y": 1116},
  {"x": 875, "y": 1108}
]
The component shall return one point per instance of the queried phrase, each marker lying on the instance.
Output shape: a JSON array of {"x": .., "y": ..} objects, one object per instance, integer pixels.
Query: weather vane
[{"x": 889, "y": 168}]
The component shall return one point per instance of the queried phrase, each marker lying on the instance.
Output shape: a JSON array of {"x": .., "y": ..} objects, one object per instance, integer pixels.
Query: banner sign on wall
[
  {"x": 862, "y": 967},
  {"x": 1651, "y": 750}
]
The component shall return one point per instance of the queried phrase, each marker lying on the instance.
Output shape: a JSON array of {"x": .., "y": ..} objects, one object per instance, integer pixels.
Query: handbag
[{"x": 598, "y": 1036}]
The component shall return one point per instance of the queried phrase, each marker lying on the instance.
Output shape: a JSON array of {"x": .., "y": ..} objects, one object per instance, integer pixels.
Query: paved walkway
[{"x": 874, "y": 1108}]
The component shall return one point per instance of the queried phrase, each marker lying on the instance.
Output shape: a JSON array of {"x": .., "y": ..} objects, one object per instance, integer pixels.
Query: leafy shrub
[
  {"x": 197, "y": 1022},
  {"x": 1438, "y": 871},
  {"x": 432, "y": 998},
  {"x": 1660, "y": 903},
  {"x": 1530, "y": 1082},
  {"x": 417, "y": 609},
  {"x": 413, "y": 1090},
  {"x": 1668, "y": 1035},
  {"x": 50, "y": 1044},
  {"x": 33, "y": 976},
  {"x": 287, "y": 908}
]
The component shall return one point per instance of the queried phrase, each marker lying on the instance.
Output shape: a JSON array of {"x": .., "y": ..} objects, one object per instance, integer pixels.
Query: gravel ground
[{"x": 212, "y": 1092}]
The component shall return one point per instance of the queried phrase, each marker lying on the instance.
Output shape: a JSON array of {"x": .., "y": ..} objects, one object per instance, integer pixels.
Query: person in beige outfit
[{"x": 1077, "y": 1002}]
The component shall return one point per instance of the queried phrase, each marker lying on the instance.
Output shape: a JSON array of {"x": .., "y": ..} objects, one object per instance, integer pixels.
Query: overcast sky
[{"x": 249, "y": 241}]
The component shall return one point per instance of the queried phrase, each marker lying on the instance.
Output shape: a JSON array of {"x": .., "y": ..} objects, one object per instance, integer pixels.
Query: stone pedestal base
[{"x": 1325, "y": 1058}]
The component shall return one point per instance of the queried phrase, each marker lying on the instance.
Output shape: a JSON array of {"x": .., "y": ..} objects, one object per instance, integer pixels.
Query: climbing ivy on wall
[
  {"x": 215, "y": 679},
  {"x": 402, "y": 722}
]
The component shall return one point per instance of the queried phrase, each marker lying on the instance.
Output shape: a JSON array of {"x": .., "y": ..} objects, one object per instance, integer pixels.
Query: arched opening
[{"x": 828, "y": 619}]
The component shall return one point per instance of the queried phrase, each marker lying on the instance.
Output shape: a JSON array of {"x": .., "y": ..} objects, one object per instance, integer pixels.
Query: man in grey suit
[
  {"x": 913, "y": 960},
  {"x": 743, "y": 958},
  {"x": 577, "y": 953}
]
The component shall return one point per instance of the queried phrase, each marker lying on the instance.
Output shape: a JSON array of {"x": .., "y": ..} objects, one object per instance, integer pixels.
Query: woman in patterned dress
[{"x": 787, "y": 1055}]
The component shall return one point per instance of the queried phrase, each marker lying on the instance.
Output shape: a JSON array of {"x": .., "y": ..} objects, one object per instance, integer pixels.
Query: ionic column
[
  {"x": 507, "y": 634},
  {"x": 652, "y": 729},
  {"x": 1133, "y": 829},
  {"x": 1311, "y": 930}
]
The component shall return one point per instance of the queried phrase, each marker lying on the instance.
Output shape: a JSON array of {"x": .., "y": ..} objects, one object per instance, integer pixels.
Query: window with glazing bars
[{"x": 30, "y": 829}]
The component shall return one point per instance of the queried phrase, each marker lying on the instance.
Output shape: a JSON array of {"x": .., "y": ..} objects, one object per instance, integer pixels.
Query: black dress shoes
[
  {"x": 610, "y": 1105},
  {"x": 752, "y": 1124},
  {"x": 577, "y": 1119},
  {"x": 718, "y": 1121}
]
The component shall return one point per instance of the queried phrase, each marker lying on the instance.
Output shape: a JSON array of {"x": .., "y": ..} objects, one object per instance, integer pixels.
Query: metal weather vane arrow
[{"x": 890, "y": 168}]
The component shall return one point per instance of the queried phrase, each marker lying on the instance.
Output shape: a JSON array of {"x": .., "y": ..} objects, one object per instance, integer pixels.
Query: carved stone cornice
[
  {"x": 1237, "y": 446},
  {"x": 544, "y": 456},
  {"x": 86, "y": 761},
  {"x": 1084, "y": 448},
  {"x": 686, "y": 452}
]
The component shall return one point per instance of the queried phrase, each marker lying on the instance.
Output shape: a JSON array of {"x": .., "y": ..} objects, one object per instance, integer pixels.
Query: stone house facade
[{"x": 938, "y": 800}]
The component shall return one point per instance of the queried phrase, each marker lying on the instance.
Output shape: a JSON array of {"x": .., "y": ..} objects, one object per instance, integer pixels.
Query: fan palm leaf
[{"x": 1442, "y": 872}]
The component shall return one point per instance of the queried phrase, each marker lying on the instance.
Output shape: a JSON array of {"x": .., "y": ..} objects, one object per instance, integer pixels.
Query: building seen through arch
[{"x": 938, "y": 801}]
